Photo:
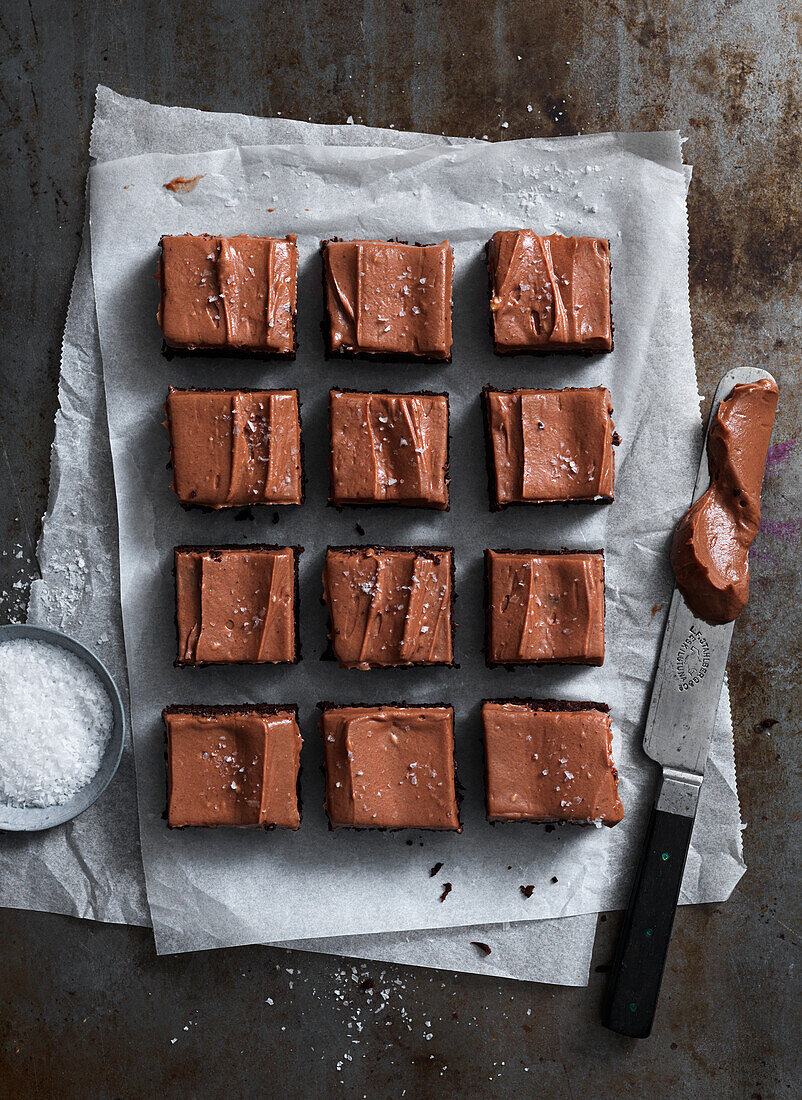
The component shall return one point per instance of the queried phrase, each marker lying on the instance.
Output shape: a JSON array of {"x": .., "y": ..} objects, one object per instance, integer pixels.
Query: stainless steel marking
[{"x": 693, "y": 659}]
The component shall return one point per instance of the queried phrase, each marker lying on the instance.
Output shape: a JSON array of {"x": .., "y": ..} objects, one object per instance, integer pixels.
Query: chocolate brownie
[
  {"x": 233, "y": 765},
  {"x": 547, "y": 446},
  {"x": 388, "y": 299},
  {"x": 549, "y": 294},
  {"x": 549, "y": 760},
  {"x": 237, "y": 604},
  {"x": 234, "y": 448},
  {"x": 390, "y": 766},
  {"x": 390, "y": 606},
  {"x": 228, "y": 295},
  {"x": 388, "y": 448},
  {"x": 544, "y": 608}
]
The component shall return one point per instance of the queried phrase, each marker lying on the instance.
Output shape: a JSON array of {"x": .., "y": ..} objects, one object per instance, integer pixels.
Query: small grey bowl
[{"x": 33, "y": 819}]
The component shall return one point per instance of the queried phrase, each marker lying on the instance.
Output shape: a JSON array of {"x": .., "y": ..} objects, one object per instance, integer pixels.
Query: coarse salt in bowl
[{"x": 61, "y": 728}]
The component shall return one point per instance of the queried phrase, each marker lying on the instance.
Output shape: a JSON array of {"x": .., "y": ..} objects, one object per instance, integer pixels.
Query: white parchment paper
[
  {"x": 92, "y": 867},
  {"x": 210, "y": 889}
]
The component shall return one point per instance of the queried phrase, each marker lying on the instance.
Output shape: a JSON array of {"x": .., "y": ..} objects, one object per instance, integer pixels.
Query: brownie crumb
[
  {"x": 447, "y": 888},
  {"x": 367, "y": 983},
  {"x": 554, "y": 878},
  {"x": 244, "y": 513},
  {"x": 435, "y": 870},
  {"x": 483, "y": 947},
  {"x": 276, "y": 517},
  {"x": 768, "y": 723},
  {"x": 527, "y": 891},
  {"x": 360, "y": 530}
]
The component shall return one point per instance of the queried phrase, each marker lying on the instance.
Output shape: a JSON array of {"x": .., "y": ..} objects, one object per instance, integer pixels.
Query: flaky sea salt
[{"x": 55, "y": 722}]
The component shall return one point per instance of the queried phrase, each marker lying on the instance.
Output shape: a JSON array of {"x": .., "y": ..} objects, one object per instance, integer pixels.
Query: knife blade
[{"x": 679, "y": 727}]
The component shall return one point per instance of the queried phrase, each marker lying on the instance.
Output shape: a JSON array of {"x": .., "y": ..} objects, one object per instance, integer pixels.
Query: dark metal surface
[{"x": 87, "y": 1009}]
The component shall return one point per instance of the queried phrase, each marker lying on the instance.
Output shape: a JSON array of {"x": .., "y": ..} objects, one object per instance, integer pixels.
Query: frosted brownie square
[
  {"x": 390, "y": 767},
  {"x": 388, "y": 448}
]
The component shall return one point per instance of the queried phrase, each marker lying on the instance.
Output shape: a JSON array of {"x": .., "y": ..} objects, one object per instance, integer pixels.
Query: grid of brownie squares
[
  {"x": 237, "y": 604},
  {"x": 234, "y": 448},
  {"x": 229, "y": 295},
  {"x": 388, "y": 448},
  {"x": 547, "y": 761},
  {"x": 387, "y": 766},
  {"x": 390, "y": 767},
  {"x": 233, "y": 766}
]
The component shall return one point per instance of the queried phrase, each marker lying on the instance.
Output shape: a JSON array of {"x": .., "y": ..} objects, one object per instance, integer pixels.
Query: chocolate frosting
[
  {"x": 710, "y": 551},
  {"x": 550, "y": 293},
  {"x": 549, "y": 764},
  {"x": 182, "y": 185},
  {"x": 231, "y": 448},
  {"x": 389, "y": 448},
  {"x": 235, "y": 605},
  {"x": 545, "y": 608},
  {"x": 385, "y": 298},
  {"x": 551, "y": 445},
  {"x": 389, "y": 607},
  {"x": 229, "y": 292},
  {"x": 232, "y": 767},
  {"x": 390, "y": 767}
]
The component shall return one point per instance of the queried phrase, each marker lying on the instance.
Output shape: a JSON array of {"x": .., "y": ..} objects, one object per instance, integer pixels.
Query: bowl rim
[{"x": 38, "y": 818}]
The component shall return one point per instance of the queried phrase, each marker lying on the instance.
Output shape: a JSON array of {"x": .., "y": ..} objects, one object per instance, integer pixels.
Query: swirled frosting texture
[
  {"x": 389, "y": 606},
  {"x": 390, "y": 767},
  {"x": 229, "y": 292},
  {"x": 549, "y": 294},
  {"x": 550, "y": 762},
  {"x": 389, "y": 448},
  {"x": 710, "y": 550},
  {"x": 231, "y": 448}
]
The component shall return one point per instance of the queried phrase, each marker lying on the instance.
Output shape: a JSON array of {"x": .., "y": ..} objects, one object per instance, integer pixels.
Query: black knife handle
[{"x": 642, "y": 946}]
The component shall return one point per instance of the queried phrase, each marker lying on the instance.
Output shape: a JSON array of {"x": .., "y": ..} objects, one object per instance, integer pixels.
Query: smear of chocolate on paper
[{"x": 181, "y": 185}]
